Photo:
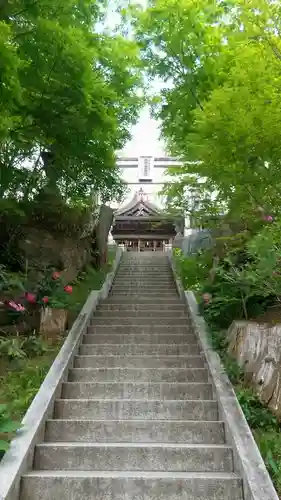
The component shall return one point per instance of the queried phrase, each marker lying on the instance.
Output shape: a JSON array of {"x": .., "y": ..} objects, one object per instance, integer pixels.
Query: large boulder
[
  {"x": 43, "y": 250},
  {"x": 257, "y": 349}
]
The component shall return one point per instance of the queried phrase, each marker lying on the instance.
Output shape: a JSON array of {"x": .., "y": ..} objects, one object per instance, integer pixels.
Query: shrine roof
[{"x": 138, "y": 207}]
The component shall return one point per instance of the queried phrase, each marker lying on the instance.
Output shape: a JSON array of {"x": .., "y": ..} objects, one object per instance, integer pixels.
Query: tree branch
[{"x": 20, "y": 12}]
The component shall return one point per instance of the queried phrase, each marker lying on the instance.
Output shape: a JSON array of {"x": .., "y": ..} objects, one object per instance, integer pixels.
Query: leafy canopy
[
  {"x": 68, "y": 88},
  {"x": 221, "y": 106}
]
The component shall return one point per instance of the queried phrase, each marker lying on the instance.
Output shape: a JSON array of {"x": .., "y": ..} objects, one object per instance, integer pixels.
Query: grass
[
  {"x": 20, "y": 384},
  {"x": 90, "y": 279},
  {"x": 269, "y": 443},
  {"x": 18, "y": 387}
]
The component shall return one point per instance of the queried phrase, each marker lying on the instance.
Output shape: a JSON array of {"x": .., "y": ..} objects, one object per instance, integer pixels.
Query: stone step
[
  {"x": 133, "y": 320},
  {"x": 137, "y": 390},
  {"x": 141, "y": 307},
  {"x": 123, "y": 292},
  {"x": 157, "y": 281},
  {"x": 128, "y": 338},
  {"x": 146, "y": 267},
  {"x": 138, "y": 329},
  {"x": 145, "y": 278},
  {"x": 139, "y": 349},
  {"x": 160, "y": 275},
  {"x": 128, "y": 431},
  {"x": 152, "y": 264},
  {"x": 161, "y": 272},
  {"x": 74, "y": 485},
  {"x": 138, "y": 375},
  {"x": 142, "y": 313},
  {"x": 147, "y": 282},
  {"x": 135, "y": 409},
  {"x": 143, "y": 259},
  {"x": 90, "y": 361},
  {"x": 144, "y": 300},
  {"x": 165, "y": 291},
  {"x": 133, "y": 457},
  {"x": 140, "y": 274},
  {"x": 153, "y": 288},
  {"x": 137, "y": 418}
]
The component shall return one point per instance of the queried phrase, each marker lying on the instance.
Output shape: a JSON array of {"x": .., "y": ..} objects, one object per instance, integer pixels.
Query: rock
[
  {"x": 44, "y": 250},
  {"x": 257, "y": 349},
  {"x": 53, "y": 322}
]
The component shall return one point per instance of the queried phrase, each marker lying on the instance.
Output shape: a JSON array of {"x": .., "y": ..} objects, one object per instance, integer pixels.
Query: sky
[{"x": 145, "y": 137}]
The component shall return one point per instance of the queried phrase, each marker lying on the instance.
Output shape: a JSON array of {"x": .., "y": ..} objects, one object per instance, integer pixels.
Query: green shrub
[
  {"x": 257, "y": 415},
  {"x": 193, "y": 269},
  {"x": 269, "y": 443},
  {"x": 18, "y": 348},
  {"x": 11, "y": 348},
  {"x": 247, "y": 280},
  {"x": 33, "y": 346},
  {"x": 7, "y": 427},
  {"x": 19, "y": 387}
]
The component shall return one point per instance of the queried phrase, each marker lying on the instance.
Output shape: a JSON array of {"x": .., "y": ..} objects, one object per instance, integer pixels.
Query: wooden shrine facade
[{"x": 142, "y": 226}]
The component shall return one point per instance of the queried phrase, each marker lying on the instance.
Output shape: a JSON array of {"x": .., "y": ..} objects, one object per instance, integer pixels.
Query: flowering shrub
[
  {"x": 241, "y": 279},
  {"x": 30, "y": 297},
  {"x": 49, "y": 292},
  {"x": 16, "y": 307},
  {"x": 268, "y": 218},
  {"x": 207, "y": 298}
]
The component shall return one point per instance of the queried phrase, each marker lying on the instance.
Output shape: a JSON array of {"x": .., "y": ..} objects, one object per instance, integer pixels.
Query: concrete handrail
[
  {"x": 257, "y": 484},
  {"x": 19, "y": 457}
]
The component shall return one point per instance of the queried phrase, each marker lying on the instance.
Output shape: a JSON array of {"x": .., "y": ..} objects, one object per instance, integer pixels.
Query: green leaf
[
  {"x": 4, "y": 445},
  {"x": 271, "y": 462},
  {"x": 9, "y": 426},
  {"x": 44, "y": 45},
  {"x": 3, "y": 409}
]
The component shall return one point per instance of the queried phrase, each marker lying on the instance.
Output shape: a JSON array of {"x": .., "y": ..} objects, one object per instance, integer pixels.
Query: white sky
[
  {"x": 145, "y": 137},
  {"x": 146, "y": 134}
]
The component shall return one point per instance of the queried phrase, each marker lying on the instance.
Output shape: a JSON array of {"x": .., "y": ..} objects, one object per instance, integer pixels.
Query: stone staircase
[{"x": 136, "y": 419}]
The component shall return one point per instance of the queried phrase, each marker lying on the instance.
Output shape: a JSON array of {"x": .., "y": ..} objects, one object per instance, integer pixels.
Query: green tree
[
  {"x": 221, "y": 108},
  {"x": 69, "y": 89}
]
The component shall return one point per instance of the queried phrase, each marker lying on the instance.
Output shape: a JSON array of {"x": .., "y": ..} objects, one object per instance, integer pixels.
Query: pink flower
[
  {"x": 68, "y": 288},
  {"x": 17, "y": 307},
  {"x": 45, "y": 300},
  {"x": 207, "y": 297},
  {"x": 30, "y": 297},
  {"x": 268, "y": 218},
  {"x": 56, "y": 275},
  {"x": 13, "y": 304}
]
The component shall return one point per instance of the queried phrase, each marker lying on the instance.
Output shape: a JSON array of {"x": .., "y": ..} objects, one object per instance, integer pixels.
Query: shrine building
[{"x": 141, "y": 223}]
